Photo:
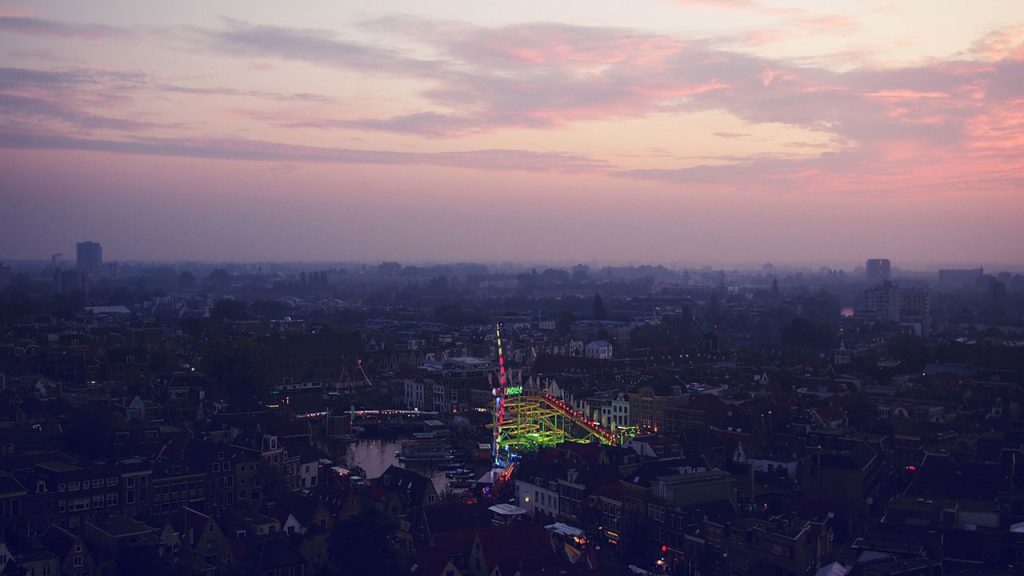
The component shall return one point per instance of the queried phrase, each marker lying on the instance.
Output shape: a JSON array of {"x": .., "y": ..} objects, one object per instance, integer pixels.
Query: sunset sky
[{"x": 646, "y": 131}]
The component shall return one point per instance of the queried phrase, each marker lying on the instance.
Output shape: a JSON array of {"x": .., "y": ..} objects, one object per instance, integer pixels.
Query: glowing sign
[{"x": 513, "y": 390}]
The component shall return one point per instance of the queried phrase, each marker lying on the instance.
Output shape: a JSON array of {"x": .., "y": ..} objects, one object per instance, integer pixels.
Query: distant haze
[{"x": 650, "y": 131}]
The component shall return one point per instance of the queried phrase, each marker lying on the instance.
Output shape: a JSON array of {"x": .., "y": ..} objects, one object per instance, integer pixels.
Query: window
[
  {"x": 78, "y": 561},
  {"x": 216, "y": 466},
  {"x": 62, "y": 487},
  {"x": 78, "y": 548},
  {"x": 97, "y": 501},
  {"x": 62, "y": 506},
  {"x": 97, "y": 483},
  {"x": 74, "y": 486},
  {"x": 112, "y": 499}
]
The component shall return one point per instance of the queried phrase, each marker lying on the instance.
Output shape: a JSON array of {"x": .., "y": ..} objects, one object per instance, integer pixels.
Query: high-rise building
[
  {"x": 877, "y": 271},
  {"x": 915, "y": 309},
  {"x": 88, "y": 256},
  {"x": 882, "y": 302}
]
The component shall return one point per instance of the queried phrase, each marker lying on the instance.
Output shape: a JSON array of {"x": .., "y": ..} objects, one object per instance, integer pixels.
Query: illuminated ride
[{"x": 525, "y": 420}]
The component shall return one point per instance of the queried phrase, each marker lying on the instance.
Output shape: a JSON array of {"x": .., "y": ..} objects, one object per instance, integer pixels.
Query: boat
[
  {"x": 451, "y": 466},
  {"x": 459, "y": 474},
  {"x": 424, "y": 450}
]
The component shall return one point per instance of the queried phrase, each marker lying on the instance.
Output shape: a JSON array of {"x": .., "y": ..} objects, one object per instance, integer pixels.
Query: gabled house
[
  {"x": 411, "y": 489},
  {"x": 74, "y": 557},
  {"x": 298, "y": 514},
  {"x": 829, "y": 417},
  {"x": 31, "y": 557},
  {"x": 201, "y": 535}
]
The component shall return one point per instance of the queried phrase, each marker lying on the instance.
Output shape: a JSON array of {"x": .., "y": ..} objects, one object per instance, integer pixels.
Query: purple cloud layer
[{"x": 896, "y": 124}]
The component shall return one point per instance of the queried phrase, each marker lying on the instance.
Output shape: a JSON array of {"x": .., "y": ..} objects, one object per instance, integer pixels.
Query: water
[{"x": 374, "y": 456}]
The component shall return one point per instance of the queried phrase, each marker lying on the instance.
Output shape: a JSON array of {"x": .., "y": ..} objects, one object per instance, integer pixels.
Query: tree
[
  {"x": 600, "y": 310},
  {"x": 228, "y": 309},
  {"x": 801, "y": 333},
  {"x": 581, "y": 274},
  {"x": 909, "y": 350},
  {"x": 219, "y": 278},
  {"x": 364, "y": 544},
  {"x": 565, "y": 320},
  {"x": 186, "y": 280}
]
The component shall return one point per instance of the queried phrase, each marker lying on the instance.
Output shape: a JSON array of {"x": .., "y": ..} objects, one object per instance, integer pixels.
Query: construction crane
[
  {"x": 366, "y": 378},
  {"x": 708, "y": 338}
]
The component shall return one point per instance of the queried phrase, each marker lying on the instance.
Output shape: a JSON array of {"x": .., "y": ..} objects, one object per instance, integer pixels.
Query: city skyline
[{"x": 731, "y": 132}]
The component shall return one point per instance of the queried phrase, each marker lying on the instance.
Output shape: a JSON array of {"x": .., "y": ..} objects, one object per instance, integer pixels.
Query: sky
[{"x": 637, "y": 131}]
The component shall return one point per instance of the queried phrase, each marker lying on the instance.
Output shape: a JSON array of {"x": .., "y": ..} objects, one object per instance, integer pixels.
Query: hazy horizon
[
  {"x": 659, "y": 131},
  {"x": 783, "y": 266}
]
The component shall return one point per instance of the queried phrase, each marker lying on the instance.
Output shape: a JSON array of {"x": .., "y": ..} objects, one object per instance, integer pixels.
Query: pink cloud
[
  {"x": 257, "y": 150},
  {"x": 723, "y": 4},
  {"x": 1002, "y": 44},
  {"x": 894, "y": 123},
  {"x": 31, "y": 26},
  {"x": 15, "y": 12}
]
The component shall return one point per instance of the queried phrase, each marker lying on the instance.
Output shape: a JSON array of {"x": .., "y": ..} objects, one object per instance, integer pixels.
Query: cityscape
[{"x": 665, "y": 287}]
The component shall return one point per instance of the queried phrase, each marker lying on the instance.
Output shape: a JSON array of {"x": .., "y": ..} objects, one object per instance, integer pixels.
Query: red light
[
  {"x": 911, "y": 468},
  {"x": 664, "y": 548}
]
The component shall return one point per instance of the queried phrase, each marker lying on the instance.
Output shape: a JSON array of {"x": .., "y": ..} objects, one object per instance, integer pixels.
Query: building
[
  {"x": 538, "y": 496},
  {"x": 915, "y": 309},
  {"x": 429, "y": 395},
  {"x": 778, "y": 545},
  {"x": 882, "y": 302},
  {"x": 616, "y": 412},
  {"x": 601, "y": 349},
  {"x": 956, "y": 279},
  {"x": 88, "y": 256},
  {"x": 75, "y": 559},
  {"x": 877, "y": 271}
]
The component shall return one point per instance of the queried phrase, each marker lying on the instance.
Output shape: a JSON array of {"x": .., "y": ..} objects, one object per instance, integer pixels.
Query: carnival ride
[{"x": 526, "y": 419}]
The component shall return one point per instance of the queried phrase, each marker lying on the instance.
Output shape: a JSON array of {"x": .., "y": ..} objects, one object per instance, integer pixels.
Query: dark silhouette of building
[
  {"x": 957, "y": 279},
  {"x": 877, "y": 270},
  {"x": 89, "y": 256}
]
